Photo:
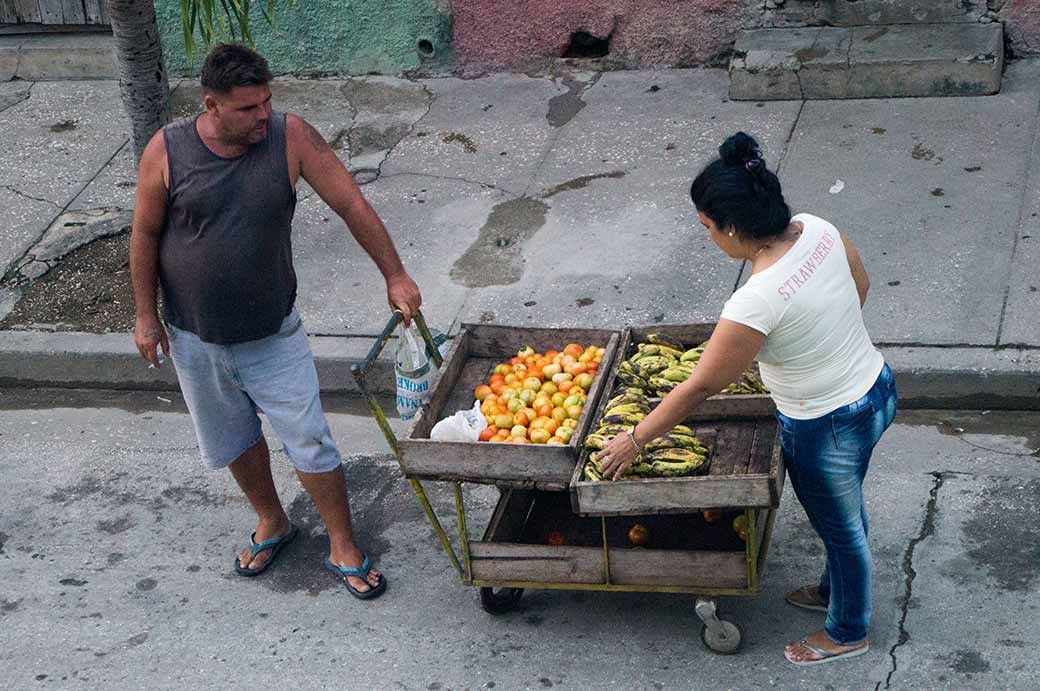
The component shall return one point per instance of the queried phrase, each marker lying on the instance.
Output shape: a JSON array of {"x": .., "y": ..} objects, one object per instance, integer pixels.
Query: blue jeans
[{"x": 827, "y": 459}]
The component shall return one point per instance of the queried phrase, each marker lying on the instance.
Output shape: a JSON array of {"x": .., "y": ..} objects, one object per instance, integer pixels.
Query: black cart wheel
[
  {"x": 726, "y": 638},
  {"x": 500, "y": 601}
]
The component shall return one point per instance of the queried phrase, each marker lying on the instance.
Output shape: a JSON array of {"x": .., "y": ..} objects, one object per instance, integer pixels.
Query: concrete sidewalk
[{"x": 562, "y": 201}]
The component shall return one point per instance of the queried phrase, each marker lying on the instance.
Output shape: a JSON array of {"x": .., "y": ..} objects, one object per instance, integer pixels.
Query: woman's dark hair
[
  {"x": 230, "y": 64},
  {"x": 738, "y": 190}
]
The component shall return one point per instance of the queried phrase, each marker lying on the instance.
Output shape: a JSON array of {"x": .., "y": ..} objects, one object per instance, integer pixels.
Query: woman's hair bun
[{"x": 741, "y": 149}]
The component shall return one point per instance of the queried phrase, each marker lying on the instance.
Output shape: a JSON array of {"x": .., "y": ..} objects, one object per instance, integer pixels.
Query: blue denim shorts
[{"x": 225, "y": 386}]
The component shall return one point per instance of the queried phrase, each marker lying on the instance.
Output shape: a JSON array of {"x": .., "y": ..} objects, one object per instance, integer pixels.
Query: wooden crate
[
  {"x": 684, "y": 553},
  {"x": 746, "y": 470},
  {"x": 719, "y": 406},
  {"x": 474, "y": 353}
]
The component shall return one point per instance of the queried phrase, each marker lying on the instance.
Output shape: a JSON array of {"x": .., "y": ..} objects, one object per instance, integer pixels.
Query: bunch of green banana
[
  {"x": 676, "y": 454},
  {"x": 648, "y": 350},
  {"x": 658, "y": 339}
]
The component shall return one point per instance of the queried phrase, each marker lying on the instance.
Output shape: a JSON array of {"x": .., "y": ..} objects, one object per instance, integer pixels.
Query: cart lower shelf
[{"x": 683, "y": 554}]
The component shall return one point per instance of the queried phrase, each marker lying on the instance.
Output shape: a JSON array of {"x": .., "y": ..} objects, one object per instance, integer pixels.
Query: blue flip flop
[
  {"x": 362, "y": 573},
  {"x": 275, "y": 544}
]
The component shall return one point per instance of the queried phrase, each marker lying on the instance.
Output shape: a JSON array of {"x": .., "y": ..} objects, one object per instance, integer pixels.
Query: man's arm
[
  {"x": 859, "y": 272},
  {"x": 323, "y": 170},
  {"x": 149, "y": 217}
]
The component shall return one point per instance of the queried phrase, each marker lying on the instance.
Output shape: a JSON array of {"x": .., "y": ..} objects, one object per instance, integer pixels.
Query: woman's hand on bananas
[{"x": 617, "y": 457}]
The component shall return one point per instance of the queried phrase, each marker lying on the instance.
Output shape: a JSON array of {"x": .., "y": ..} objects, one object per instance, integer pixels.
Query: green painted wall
[{"x": 332, "y": 36}]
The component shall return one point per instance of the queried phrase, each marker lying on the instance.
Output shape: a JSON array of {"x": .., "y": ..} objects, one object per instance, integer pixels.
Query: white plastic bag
[
  {"x": 414, "y": 369},
  {"x": 465, "y": 425}
]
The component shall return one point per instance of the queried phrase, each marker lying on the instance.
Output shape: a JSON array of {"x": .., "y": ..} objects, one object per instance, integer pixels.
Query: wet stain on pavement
[
  {"x": 9, "y": 606},
  {"x": 116, "y": 525},
  {"x": 63, "y": 126},
  {"x": 194, "y": 496},
  {"x": 968, "y": 662},
  {"x": 1001, "y": 532},
  {"x": 973, "y": 169},
  {"x": 496, "y": 256},
  {"x": 137, "y": 640},
  {"x": 75, "y": 582},
  {"x": 564, "y": 107},
  {"x": 938, "y": 192},
  {"x": 146, "y": 584},
  {"x": 4, "y": 537},
  {"x": 115, "y": 557},
  {"x": 579, "y": 182},
  {"x": 875, "y": 35}
]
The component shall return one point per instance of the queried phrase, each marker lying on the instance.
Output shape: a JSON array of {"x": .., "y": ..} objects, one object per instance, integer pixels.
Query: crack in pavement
[
  {"x": 29, "y": 196},
  {"x": 486, "y": 185},
  {"x": 430, "y": 99},
  {"x": 927, "y": 530}
]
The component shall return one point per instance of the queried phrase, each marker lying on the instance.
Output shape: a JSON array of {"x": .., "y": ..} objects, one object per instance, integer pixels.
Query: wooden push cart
[{"x": 552, "y": 530}]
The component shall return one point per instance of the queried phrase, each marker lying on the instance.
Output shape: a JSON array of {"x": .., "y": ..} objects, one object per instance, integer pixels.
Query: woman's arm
[
  {"x": 859, "y": 272},
  {"x": 730, "y": 351}
]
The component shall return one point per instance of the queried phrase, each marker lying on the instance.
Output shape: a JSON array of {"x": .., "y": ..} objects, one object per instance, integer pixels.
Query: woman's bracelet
[{"x": 632, "y": 438}]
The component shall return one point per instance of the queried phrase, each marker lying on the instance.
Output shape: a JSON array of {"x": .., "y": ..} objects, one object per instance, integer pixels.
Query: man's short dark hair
[{"x": 231, "y": 64}]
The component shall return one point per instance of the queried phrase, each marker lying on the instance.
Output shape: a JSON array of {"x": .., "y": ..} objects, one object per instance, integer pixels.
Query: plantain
[
  {"x": 640, "y": 470},
  {"x": 649, "y": 366},
  {"x": 676, "y": 456},
  {"x": 676, "y": 441},
  {"x": 613, "y": 430},
  {"x": 658, "y": 339},
  {"x": 683, "y": 429},
  {"x": 631, "y": 379},
  {"x": 669, "y": 469},
  {"x": 629, "y": 390},
  {"x": 592, "y": 472},
  {"x": 623, "y": 419},
  {"x": 641, "y": 408},
  {"x": 597, "y": 441},
  {"x": 662, "y": 386},
  {"x": 754, "y": 382},
  {"x": 676, "y": 374},
  {"x": 692, "y": 355},
  {"x": 626, "y": 398}
]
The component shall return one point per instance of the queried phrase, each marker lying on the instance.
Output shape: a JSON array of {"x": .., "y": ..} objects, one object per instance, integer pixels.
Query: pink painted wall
[{"x": 508, "y": 33}]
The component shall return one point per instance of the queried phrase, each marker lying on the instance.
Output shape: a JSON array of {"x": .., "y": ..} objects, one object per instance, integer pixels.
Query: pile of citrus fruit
[{"x": 537, "y": 398}]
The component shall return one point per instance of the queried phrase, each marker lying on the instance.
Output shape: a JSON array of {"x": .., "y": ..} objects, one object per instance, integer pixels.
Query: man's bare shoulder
[{"x": 303, "y": 136}]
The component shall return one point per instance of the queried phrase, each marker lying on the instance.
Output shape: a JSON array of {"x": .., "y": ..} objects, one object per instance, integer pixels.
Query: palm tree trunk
[{"x": 142, "y": 73}]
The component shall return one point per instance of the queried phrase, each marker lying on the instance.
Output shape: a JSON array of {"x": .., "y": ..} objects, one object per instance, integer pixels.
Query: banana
[
  {"x": 658, "y": 339},
  {"x": 754, "y": 382},
  {"x": 640, "y": 470},
  {"x": 649, "y": 366},
  {"x": 592, "y": 472},
  {"x": 629, "y": 391},
  {"x": 597, "y": 441},
  {"x": 676, "y": 374},
  {"x": 676, "y": 456},
  {"x": 683, "y": 429},
  {"x": 623, "y": 419},
  {"x": 612, "y": 431},
  {"x": 676, "y": 441},
  {"x": 625, "y": 398},
  {"x": 641, "y": 408},
  {"x": 662, "y": 385},
  {"x": 692, "y": 355},
  {"x": 631, "y": 379},
  {"x": 669, "y": 469}
]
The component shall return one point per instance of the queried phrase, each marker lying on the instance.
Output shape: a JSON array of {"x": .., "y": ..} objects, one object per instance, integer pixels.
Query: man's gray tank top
[{"x": 225, "y": 255}]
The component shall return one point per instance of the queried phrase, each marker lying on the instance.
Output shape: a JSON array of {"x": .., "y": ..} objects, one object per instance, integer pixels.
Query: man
[{"x": 212, "y": 223}]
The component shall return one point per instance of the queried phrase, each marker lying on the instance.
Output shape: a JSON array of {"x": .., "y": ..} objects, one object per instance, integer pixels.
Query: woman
[{"x": 800, "y": 314}]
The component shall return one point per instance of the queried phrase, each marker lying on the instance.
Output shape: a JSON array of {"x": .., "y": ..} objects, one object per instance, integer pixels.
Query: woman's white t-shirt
[{"x": 817, "y": 355}]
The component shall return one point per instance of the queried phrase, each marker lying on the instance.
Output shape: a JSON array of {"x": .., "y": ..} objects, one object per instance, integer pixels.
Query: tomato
[
  {"x": 510, "y": 378},
  {"x": 544, "y": 410},
  {"x": 584, "y": 380},
  {"x": 559, "y": 414},
  {"x": 550, "y": 371},
  {"x": 711, "y": 515},
  {"x": 573, "y": 349},
  {"x": 556, "y": 441},
  {"x": 568, "y": 360},
  {"x": 569, "y": 422},
  {"x": 565, "y": 386},
  {"x": 482, "y": 392},
  {"x": 740, "y": 527},
  {"x": 515, "y": 404},
  {"x": 539, "y": 436},
  {"x": 638, "y": 535},
  {"x": 519, "y": 440},
  {"x": 502, "y": 369},
  {"x": 601, "y": 352},
  {"x": 488, "y": 432},
  {"x": 549, "y": 388},
  {"x": 574, "y": 411},
  {"x": 578, "y": 369},
  {"x": 526, "y": 396},
  {"x": 518, "y": 431},
  {"x": 496, "y": 377},
  {"x": 556, "y": 538},
  {"x": 565, "y": 433},
  {"x": 558, "y": 379},
  {"x": 521, "y": 420},
  {"x": 550, "y": 354},
  {"x": 551, "y": 425},
  {"x": 503, "y": 422},
  {"x": 573, "y": 399},
  {"x": 585, "y": 357}
]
